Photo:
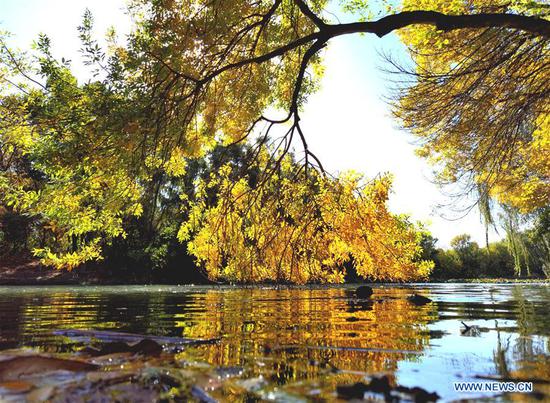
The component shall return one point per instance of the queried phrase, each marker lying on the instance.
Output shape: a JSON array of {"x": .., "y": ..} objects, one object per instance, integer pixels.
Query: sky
[{"x": 347, "y": 122}]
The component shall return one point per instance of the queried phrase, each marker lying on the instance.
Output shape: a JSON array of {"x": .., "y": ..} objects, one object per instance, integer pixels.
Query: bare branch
[{"x": 443, "y": 22}]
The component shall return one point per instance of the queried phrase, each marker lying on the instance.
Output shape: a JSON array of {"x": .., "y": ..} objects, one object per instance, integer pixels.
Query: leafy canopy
[
  {"x": 294, "y": 228},
  {"x": 479, "y": 102},
  {"x": 81, "y": 158}
]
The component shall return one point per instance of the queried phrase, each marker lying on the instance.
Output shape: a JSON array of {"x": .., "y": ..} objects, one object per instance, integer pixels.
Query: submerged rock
[
  {"x": 472, "y": 330},
  {"x": 26, "y": 365},
  {"x": 200, "y": 394},
  {"x": 363, "y": 292},
  {"x": 143, "y": 347},
  {"x": 382, "y": 386},
  {"x": 417, "y": 299},
  {"x": 109, "y": 336}
]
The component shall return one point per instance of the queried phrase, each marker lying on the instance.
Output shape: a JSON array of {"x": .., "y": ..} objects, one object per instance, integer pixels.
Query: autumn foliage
[
  {"x": 479, "y": 103},
  {"x": 294, "y": 228},
  {"x": 84, "y": 160}
]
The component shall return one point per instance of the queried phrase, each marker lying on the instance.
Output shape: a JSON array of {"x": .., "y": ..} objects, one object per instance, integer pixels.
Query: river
[{"x": 303, "y": 342}]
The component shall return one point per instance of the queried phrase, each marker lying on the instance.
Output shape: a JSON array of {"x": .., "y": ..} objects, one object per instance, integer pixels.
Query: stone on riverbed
[
  {"x": 363, "y": 292},
  {"x": 382, "y": 387},
  {"x": 417, "y": 299}
]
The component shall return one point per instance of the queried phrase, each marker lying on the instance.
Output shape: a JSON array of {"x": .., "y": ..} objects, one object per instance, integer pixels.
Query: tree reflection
[
  {"x": 320, "y": 337},
  {"x": 300, "y": 334},
  {"x": 526, "y": 355}
]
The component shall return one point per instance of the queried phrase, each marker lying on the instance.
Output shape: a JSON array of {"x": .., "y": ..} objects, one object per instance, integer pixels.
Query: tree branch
[
  {"x": 262, "y": 58},
  {"x": 385, "y": 25},
  {"x": 443, "y": 22},
  {"x": 304, "y": 8},
  {"x": 323, "y": 32}
]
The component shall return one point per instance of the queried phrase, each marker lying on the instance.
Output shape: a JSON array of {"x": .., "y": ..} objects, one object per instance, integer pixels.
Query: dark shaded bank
[
  {"x": 24, "y": 270},
  {"x": 29, "y": 271}
]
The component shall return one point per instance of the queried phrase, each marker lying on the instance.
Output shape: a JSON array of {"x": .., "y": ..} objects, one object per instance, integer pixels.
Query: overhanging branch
[
  {"x": 444, "y": 22},
  {"x": 321, "y": 32}
]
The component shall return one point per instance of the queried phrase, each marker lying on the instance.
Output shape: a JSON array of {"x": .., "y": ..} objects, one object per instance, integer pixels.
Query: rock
[
  {"x": 29, "y": 365},
  {"x": 108, "y": 336},
  {"x": 349, "y": 392},
  {"x": 418, "y": 394},
  {"x": 143, "y": 347},
  {"x": 470, "y": 330},
  {"x": 357, "y": 391},
  {"x": 419, "y": 300},
  {"x": 200, "y": 394},
  {"x": 146, "y": 347},
  {"x": 382, "y": 386},
  {"x": 363, "y": 292},
  {"x": 16, "y": 387}
]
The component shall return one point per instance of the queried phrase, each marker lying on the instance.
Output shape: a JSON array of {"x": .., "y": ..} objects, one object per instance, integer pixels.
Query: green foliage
[
  {"x": 62, "y": 166},
  {"x": 466, "y": 259}
]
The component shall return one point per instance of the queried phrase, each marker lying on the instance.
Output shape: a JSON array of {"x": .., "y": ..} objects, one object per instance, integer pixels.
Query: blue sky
[{"x": 347, "y": 123}]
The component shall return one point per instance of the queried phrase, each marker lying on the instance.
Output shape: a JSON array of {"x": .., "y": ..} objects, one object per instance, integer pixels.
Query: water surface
[{"x": 302, "y": 342}]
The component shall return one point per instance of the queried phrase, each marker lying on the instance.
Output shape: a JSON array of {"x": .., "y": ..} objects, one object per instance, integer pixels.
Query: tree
[
  {"x": 539, "y": 237},
  {"x": 63, "y": 159},
  {"x": 224, "y": 62},
  {"x": 466, "y": 260},
  {"x": 299, "y": 229},
  {"x": 246, "y": 48},
  {"x": 469, "y": 254},
  {"x": 193, "y": 74},
  {"x": 479, "y": 103},
  {"x": 427, "y": 243}
]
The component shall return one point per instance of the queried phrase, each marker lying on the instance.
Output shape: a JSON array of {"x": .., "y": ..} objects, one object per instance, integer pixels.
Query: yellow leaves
[
  {"x": 14, "y": 195},
  {"x": 136, "y": 209},
  {"x": 22, "y": 137},
  {"x": 463, "y": 72},
  {"x": 238, "y": 189},
  {"x": 77, "y": 202},
  {"x": 526, "y": 184},
  {"x": 70, "y": 260},
  {"x": 153, "y": 162},
  {"x": 175, "y": 166},
  {"x": 301, "y": 229}
]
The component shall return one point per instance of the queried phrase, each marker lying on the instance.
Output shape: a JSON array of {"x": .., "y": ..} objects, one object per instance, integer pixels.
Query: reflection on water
[{"x": 297, "y": 338}]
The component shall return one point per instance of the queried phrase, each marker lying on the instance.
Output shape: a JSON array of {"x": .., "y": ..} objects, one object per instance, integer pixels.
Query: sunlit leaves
[
  {"x": 193, "y": 75},
  {"x": 60, "y": 163},
  {"x": 478, "y": 103},
  {"x": 300, "y": 229}
]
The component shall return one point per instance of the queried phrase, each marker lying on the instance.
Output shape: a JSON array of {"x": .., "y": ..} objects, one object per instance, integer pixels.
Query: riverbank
[
  {"x": 29, "y": 271},
  {"x": 26, "y": 270}
]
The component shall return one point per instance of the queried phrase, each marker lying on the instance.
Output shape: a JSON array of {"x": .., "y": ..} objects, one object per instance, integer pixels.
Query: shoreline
[{"x": 30, "y": 272}]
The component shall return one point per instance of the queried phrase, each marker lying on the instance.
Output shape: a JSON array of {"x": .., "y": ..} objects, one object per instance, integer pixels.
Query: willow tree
[
  {"x": 290, "y": 226},
  {"x": 479, "y": 102},
  {"x": 247, "y": 56},
  {"x": 216, "y": 66},
  {"x": 195, "y": 74}
]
